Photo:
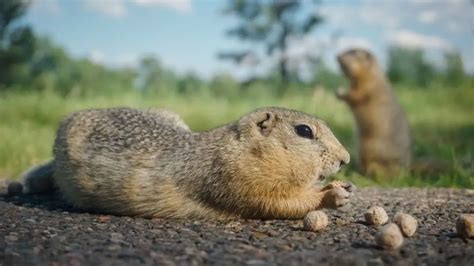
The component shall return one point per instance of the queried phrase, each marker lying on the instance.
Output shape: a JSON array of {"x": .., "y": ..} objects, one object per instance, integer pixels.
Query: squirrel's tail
[{"x": 39, "y": 179}]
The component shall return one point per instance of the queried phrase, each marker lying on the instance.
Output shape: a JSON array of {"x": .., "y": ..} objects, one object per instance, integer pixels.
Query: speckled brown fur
[{"x": 149, "y": 164}]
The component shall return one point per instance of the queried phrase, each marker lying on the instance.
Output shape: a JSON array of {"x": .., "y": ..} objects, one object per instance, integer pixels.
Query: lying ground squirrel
[
  {"x": 123, "y": 161},
  {"x": 384, "y": 142}
]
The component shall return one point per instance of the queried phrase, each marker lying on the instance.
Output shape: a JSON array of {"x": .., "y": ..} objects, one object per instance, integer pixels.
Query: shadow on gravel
[
  {"x": 50, "y": 202},
  {"x": 362, "y": 244}
]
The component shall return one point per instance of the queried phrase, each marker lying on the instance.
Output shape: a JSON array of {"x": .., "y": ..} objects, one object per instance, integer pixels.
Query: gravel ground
[{"x": 38, "y": 230}]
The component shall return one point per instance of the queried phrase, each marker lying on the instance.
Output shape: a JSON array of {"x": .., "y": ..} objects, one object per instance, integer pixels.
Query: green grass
[{"x": 442, "y": 120}]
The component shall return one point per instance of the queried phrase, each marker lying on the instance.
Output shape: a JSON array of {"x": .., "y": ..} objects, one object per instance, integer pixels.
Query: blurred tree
[
  {"x": 17, "y": 42},
  {"x": 51, "y": 64},
  {"x": 455, "y": 74},
  {"x": 190, "y": 84},
  {"x": 223, "y": 85},
  {"x": 30, "y": 62},
  {"x": 52, "y": 68},
  {"x": 409, "y": 66},
  {"x": 271, "y": 24},
  {"x": 154, "y": 78},
  {"x": 324, "y": 76}
]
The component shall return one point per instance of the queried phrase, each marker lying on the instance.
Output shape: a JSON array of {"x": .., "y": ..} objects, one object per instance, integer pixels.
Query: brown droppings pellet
[
  {"x": 376, "y": 216},
  {"x": 389, "y": 237},
  {"x": 407, "y": 223},
  {"x": 465, "y": 226},
  {"x": 315, "y": 221}
]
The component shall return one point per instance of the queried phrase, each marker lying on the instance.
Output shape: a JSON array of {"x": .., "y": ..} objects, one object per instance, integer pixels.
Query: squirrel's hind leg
[{"x": 38, "y": 179}]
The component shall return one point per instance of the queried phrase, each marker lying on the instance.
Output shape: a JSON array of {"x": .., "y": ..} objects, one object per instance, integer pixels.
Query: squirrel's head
[
  {"x": 355, "y": 63},
  {"x": 284, "y": 148}
]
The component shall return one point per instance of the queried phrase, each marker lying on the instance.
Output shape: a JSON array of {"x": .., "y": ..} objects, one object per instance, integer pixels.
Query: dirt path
[{"x": 43, "y": 231}]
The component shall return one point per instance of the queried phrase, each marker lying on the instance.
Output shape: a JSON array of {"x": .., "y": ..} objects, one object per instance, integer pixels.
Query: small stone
[
  {"x": 116, "y": 237},
  {"x": 389, "y": 237},
  {"x": 376, "y": 216},
  {"x": 15, "y": 189},
  {"x": 114, "y": 247},
  {"x": 13, "y": 236},
  {"x": 273, "y": 233},
  {"x": 465, "y": 226},
  {"x": 37, "y": 250},
  {"x": 406, "y": 222},
  {"x": 255, "y": 262},
  {"x": 315, "y": 221},
  {"x": 104, "y": 218},
  {"x": 375, "y": 262},
  {"x": 259, "y": 235}
]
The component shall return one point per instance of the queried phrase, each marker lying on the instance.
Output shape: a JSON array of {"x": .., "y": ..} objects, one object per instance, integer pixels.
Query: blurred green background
[{"x": 41, "y": 82}]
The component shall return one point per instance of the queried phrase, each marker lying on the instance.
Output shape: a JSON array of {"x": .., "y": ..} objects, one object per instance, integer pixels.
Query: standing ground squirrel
[
  {"x": 383, "y": 129},
  {"x": 123, "y": 161}
]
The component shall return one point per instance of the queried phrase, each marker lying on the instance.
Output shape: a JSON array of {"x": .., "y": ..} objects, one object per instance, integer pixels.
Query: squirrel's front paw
[
  {"x": 348, "y": 186},
  {"x": 338, "y": 194},
  {"x": 336, "y": 197}
]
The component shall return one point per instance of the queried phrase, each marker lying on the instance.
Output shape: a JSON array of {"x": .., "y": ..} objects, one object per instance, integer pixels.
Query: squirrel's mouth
[
  {"x": 325, "y": 174},
  {"x": 321, "y": 178}
]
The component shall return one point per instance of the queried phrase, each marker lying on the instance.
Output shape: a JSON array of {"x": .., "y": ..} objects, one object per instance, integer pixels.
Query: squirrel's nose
[{"x": 345, "y": 158}]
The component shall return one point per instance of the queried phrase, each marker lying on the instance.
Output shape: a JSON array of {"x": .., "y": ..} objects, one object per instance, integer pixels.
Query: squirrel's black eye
[{"x": 304, "y": 131}]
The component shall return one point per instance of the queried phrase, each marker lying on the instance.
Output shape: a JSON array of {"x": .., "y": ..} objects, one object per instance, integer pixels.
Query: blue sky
[{"x": 187, "y": 34}]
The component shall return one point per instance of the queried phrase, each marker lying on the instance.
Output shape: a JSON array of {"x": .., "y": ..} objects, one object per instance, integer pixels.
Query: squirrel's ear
[
  {"x": 266, "y": 123},
  {"x": 262, "y": 122}
]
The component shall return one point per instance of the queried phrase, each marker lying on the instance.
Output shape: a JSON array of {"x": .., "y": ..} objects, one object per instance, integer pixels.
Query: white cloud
[
  {"x": 456, "y": 2},
  {"x": 344, "y": 43},
  {"x": 377, "y": 15},
  {"x": 126, "y": 60},
  {"x": 123, "y": 60},
  {"x": 454, "y": 15},
  {"x": 435, "y": 25},
  {"x": 428, "y": 16},
  {"x": 119, "y": 8},
  {"x": 112, "y": 8},
  {"x": 454, "y": 27},
  {"x": 96, "y": 57},
  {"x": 309, "y": 46},
  {"x": 418, "y": 2},
  {"x": 412, "y": 39},
  {"x": 300, "y": 48},
  {"x": 469, "y": 67},
  {"x": 45, "y": 6},
  {"x": 180, "y": 5},
  {"x": 457, "y": 17},
  {"x": 249, "y": 60}
]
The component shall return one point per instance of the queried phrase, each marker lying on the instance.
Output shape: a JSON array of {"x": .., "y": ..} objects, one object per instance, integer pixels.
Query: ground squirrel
[
  {"x": 383, "y": 131},
  {"x": 147, "y": 163}
]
